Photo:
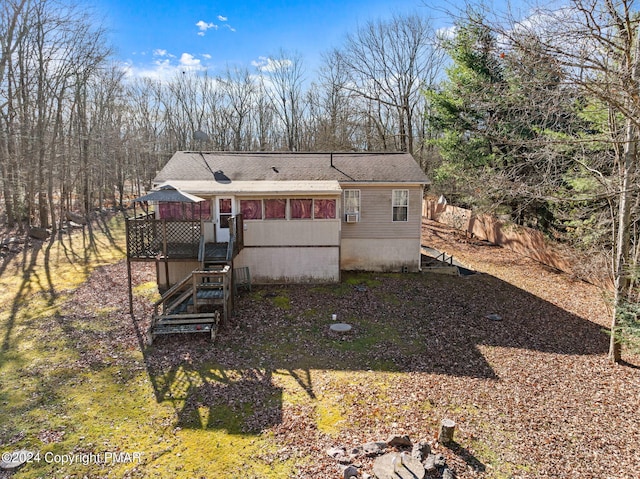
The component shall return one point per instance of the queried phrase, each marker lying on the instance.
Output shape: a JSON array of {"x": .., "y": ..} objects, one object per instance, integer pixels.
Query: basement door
[{"x": 224, "y": 211}]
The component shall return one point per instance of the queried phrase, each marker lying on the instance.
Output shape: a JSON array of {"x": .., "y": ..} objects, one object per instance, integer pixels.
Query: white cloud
[
  {"x": 206, "y": 56},
  {"x": 265, "y": 64},
  {"x": 189, "y": 61},
  {"x": 204, "y": 26},
  {"x": 166, "y": 66}
]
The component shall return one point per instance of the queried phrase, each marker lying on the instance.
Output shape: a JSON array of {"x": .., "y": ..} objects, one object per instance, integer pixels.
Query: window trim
[
  {"x": 346, "y": 211},
  {"x": 394, "y": 206}
]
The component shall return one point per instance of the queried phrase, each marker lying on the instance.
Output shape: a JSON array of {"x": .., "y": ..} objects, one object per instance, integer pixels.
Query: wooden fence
[{"x": 525, "y": 241}]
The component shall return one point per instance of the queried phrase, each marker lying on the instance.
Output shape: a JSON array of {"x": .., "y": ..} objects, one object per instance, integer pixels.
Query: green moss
[
  {"x": 282, "y": 301},
  {"x": 365, "y": 279},
  {"x": 329, "y": 418}
]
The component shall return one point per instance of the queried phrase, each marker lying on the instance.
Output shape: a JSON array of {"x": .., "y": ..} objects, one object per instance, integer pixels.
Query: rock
[
  {"x": 440, "y": 461},
  {"x": 434, "y": 461},
  {"x": 339, "y": 454},
  {"x": 76, "y": 218},
  {"x": 349, "y": 472},
  {"x": 336, "y": 451},
  {"x": 39, "y": 233},
  {"x": 430, "y": 463},
  {"x": 390, "y": 466},
  {"x": 421, "y": 450},
  {"x": 371, "y": 449},
  {"x": 399, "y": 441},
  {"x": 356, "y": 452},
  {"x": 14, "y": 460},
  {"x": 448, "y": 474}
]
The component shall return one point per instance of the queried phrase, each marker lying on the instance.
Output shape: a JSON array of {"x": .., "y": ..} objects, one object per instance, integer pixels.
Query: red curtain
[
  {"x": 185, "y": 211},
  {"x": 324, "y": 209},
  {"x": 301, "y": 209},
  {"x": 251, "y": 209},
  {"x": 275, "y": 209}
]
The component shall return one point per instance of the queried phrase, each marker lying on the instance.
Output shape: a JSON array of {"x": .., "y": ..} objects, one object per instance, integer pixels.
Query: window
[
  {"x": 351, "y": 201},
  {"x": 184, "y": 211},
  {"x": 301, "y": 209},
  {"x": 275, "y": 209},
  {"x": 400, "y": 205},
  {"x": 251, "y": 209},
  {"x": 225, "y": 212},
  {"x": 298, "y": 209},
  {"x": 324, "y": 209}
]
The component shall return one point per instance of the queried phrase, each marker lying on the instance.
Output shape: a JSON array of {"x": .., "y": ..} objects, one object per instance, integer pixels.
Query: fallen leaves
[{"x": 533, "y": 394}]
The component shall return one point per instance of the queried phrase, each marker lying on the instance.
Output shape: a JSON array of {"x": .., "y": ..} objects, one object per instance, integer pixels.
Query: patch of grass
[
  {"x": 148, "y": 290},
  {"x": 50, "y": 268},
  {"x": 281, "y": 301},
  {"x": 361, "y": 278},
  {"x": 367, "y": 335},
  {"x": 350, "y": 280},
  {"x": 279, "y": 298},
  {"x": 338, "y": 289}
]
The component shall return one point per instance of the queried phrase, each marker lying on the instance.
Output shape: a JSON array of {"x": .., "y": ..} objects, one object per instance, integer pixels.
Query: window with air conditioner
[{"x": 352, "y": 206}]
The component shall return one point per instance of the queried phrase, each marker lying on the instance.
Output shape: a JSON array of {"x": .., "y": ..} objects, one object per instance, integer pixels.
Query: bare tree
[
  {"x": 282, "y": 81},
  {"x": 239, "y": 88},
  {"x": 390, "y": 63},
  {"x": 336, "y": 106},
  {"x": 13, "y": 29}
]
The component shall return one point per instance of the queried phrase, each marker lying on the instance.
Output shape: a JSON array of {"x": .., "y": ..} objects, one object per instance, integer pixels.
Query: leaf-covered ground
[{"x": 533, "y": 395}]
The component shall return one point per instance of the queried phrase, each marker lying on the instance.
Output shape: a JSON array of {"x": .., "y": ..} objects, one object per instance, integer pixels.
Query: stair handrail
[
  {"x": 230, "y": 247},
  {"x": 195, "y": 282},
  {"x": 166, "y": 296},
  {"x": 445, "y": 259},
  {"x": 201, "y": 250}
]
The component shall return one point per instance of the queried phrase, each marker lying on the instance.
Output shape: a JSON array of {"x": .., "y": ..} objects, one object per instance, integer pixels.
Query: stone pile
[{"x": 435, "y": 464}]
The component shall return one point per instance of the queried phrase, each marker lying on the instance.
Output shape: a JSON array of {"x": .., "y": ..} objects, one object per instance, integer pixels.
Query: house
[{"x": 295, "y": 216}]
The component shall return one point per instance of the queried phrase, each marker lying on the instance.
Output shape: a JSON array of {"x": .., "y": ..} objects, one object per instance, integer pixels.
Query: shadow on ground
[{"x": 423, "y": 323}]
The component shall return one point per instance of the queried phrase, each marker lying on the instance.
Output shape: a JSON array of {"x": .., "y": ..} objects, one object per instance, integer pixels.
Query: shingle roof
[{"x": 292, "y": 166}]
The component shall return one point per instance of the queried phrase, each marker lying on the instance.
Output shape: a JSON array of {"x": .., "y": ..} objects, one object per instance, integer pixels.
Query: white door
[{"x": 225, "y": 209}]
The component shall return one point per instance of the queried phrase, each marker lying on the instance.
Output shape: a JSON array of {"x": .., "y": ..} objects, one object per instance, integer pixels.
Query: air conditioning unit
[{"x": 352, "y": 217}]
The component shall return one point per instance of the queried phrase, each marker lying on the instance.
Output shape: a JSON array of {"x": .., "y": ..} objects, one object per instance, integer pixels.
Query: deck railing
[{"x": 149, "y": 238}]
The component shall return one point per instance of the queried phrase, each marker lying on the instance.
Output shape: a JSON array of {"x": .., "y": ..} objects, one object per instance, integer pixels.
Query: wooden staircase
[{"x": 194, "y": 304}]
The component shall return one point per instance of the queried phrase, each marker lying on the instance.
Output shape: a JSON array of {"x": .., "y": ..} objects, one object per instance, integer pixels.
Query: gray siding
[{"x": 376, "y": 219}]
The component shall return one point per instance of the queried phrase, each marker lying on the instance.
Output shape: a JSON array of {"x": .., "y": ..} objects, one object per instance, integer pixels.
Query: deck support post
[{"x": 129, "y": 281}]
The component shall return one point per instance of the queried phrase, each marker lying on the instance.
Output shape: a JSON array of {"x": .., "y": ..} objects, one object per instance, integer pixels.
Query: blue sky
[{"x": 158, "y": 37}]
